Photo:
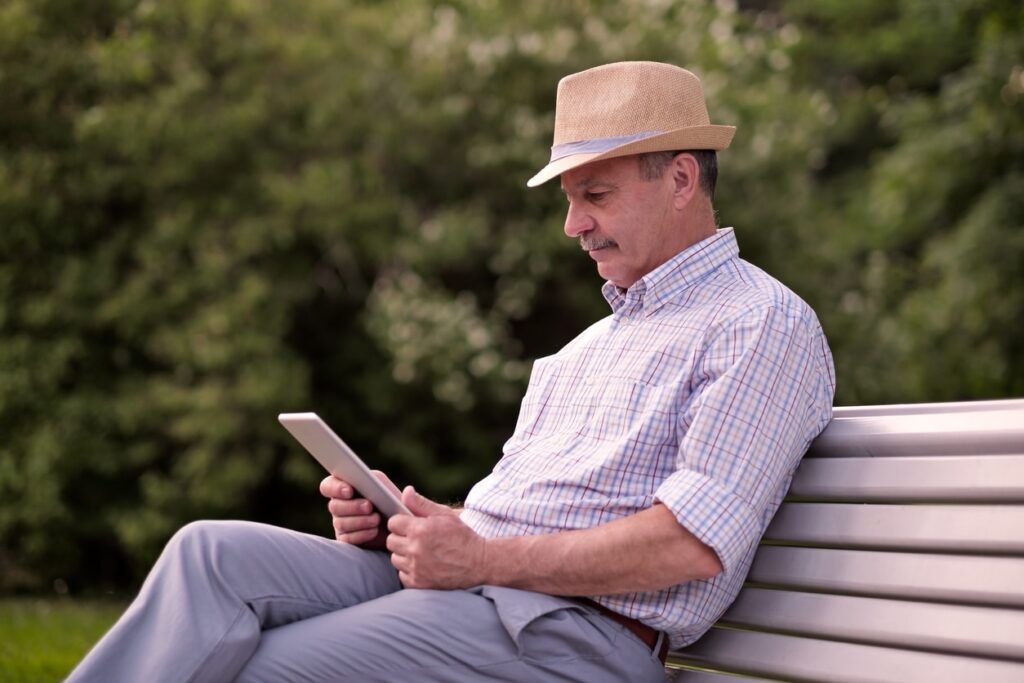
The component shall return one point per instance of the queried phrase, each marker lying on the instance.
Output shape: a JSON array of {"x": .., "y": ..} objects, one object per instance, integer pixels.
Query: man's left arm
[{"x": 645, "y": 551}]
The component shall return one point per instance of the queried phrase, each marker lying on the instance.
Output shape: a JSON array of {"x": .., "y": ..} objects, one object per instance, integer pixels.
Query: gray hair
[{"x": 653, "y": 165}]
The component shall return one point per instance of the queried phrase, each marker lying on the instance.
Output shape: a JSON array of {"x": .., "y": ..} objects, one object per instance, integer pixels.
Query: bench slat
[
  {"x": 791, "y": 657},
  {"x": 956, "y": 629},
  {"x": 946, "y": 408},
  {"x": 897, "y": 556},
  {"x": 686, "y": 676},
  {"x": 996, "y": 430},
  {"x": 937, "y": 528},
  {"x": 989, "y": 478},
  {"x": 951, "y": 578}
]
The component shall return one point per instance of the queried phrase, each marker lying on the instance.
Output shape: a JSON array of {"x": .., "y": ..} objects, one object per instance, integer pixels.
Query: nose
[{"x": 577, "y": 221}]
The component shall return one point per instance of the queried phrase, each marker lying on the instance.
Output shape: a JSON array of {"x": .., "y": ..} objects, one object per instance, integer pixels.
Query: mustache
[{"x": 591, "y": 243}]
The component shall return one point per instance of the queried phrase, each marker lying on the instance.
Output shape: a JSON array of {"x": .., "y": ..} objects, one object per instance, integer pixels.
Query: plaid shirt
[{"x": 702, "y": 391}]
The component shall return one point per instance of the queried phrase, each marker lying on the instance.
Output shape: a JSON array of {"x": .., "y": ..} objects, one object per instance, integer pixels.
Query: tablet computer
[{"x": 341, "y": 461}]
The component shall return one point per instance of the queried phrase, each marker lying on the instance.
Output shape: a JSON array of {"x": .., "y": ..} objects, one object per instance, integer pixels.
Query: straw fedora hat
[{"x": 628, "y": 108}]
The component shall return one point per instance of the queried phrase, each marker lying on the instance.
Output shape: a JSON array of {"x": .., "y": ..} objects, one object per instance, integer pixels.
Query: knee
[
  {"x": 199, "y": 533},
  {"x": 207, "y": 542}
]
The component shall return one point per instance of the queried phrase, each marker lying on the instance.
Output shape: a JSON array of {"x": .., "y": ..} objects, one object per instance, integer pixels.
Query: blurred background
[{"x": 213, "y": 211}]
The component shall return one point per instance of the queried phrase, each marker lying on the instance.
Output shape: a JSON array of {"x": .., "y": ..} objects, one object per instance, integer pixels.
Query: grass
[{"x": 42, "y": 639}]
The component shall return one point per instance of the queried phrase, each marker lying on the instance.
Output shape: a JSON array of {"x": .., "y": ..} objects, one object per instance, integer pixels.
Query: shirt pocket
[
  {"x": 553, "y": 403},
  {"x": 619, "y": 407}
]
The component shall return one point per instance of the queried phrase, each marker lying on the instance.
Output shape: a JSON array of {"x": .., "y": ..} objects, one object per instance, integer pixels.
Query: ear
[{"x": 685, "y": 175}]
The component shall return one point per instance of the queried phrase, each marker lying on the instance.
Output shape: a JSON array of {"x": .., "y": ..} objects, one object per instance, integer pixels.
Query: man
[{"x": 649, "y": 456}]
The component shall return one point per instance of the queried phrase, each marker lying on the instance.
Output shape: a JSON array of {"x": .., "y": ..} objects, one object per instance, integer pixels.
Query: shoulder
[
  {"x": 759, "y": 314},
  {"x": 742, "y": 292},
  {"x": 743, "y": 310}
]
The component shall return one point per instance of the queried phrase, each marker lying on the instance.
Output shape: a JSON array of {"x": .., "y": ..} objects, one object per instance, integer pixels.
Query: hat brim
[{"x": 694, "y": 137}]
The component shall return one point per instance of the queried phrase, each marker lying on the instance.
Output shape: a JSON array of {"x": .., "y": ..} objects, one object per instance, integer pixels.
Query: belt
[{"x": 648, "y": 635}]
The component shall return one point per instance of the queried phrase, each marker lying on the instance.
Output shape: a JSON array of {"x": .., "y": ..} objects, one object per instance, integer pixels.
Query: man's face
[{"x": 624, "y": 222}]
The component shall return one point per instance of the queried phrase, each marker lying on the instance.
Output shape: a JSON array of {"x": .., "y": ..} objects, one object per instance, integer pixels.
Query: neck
[{"x": 699, "y": 222}]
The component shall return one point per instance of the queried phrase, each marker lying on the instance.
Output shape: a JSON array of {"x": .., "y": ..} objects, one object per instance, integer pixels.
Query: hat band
[{"x": 597, "y": 144}]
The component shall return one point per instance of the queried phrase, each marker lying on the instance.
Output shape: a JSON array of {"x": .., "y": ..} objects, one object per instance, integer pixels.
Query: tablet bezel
[{"x": 341, "y": 461}]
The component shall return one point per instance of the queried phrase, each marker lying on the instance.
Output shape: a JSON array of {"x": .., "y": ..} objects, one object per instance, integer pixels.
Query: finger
[
  {"x": 400, "y": 524},
  {"x": 422, "y": 507},
  {"x": 408, "y": 581},
  {"x": 339, "y": 507},
  {"x": 402, "y": 564},
  {"x": 345, "y": 525},
  {"x": 332, "y": 487},
  {"x": 357, "y": 537},
  {"x": 398, "y": 545}
]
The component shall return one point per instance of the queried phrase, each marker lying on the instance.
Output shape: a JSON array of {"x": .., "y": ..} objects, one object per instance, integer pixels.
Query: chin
[{"x": 615, "y": 275}]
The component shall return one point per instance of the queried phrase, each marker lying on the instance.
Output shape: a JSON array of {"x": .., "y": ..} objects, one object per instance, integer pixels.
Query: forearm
[{"x": 643, "y": 552}]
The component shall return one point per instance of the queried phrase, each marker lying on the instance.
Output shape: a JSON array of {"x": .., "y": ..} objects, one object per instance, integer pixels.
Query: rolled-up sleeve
[{"x": 761, "y": 390}]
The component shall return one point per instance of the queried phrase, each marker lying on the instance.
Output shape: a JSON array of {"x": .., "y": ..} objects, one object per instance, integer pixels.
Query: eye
[{"x": 596, "y": 196}]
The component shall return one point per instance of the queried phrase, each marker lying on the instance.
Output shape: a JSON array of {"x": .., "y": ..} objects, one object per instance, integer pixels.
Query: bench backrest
[{"x": 898, "y": 555}]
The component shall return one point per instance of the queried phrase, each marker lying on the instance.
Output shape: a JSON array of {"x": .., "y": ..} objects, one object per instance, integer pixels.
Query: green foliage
[
  {"x": 922, "y": 203},
  {"x": 213, "y": 212}
]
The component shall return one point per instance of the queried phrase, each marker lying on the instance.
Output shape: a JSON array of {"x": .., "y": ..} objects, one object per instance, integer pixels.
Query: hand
[
  {"x": 434, "y": 548},
  {"x": 354, "y": 518}
]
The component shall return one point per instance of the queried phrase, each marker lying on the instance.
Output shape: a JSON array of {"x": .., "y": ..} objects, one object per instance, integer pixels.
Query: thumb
[{"x": 420, "y": 506}]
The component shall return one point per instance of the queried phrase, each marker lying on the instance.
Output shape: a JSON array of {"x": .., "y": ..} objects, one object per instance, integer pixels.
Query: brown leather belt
[{"x": 645, "y": 633}]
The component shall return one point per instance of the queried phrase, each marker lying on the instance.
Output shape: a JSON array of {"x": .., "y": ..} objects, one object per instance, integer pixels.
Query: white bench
[{"x": 897, "y": 556}]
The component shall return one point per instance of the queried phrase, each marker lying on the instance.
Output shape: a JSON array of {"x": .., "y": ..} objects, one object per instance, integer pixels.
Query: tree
[{"x": 919, "y": 215}]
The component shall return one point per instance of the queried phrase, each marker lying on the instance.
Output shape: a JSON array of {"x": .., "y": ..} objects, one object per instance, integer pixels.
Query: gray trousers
[{"x": 250, "y": 602}]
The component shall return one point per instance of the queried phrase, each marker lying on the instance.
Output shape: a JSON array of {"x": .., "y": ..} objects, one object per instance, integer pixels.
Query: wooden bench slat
[
  {"x": 792, "y": 657},
  {"x": 937, "y": 528},
  {"x": 951, "y": 578},
  {"x": 998, "y": 429},
  {"x": 956, "y": 629},
  {"x": 990, "y": 478}
]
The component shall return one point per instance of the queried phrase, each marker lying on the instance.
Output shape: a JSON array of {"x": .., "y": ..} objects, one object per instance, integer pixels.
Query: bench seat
[{"x": 898, "y": 555}]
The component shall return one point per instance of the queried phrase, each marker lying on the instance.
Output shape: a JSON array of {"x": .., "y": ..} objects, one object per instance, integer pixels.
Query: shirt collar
[{"x": 675, "y": 276}]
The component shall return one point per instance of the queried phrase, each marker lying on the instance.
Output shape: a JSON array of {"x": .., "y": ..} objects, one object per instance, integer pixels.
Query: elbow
[{"x": 706, "y": 564}]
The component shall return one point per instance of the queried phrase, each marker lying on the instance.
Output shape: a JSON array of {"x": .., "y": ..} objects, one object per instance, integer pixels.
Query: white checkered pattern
[{"x": 702, "y": 390}]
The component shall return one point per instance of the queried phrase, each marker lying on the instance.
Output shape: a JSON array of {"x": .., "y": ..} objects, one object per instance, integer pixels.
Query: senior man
[{"x": 649, "y": 456}]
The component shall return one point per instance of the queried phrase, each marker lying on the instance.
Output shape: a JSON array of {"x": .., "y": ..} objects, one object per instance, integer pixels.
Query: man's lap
[
  {"x": 329, "y": 611},
  {"x": 450, "y": 636}
]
